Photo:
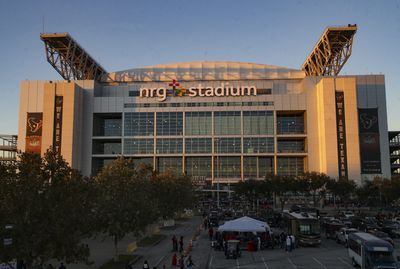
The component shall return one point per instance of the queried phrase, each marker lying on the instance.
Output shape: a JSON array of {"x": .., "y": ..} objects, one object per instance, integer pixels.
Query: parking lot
[{"x": 329, "y": 255}]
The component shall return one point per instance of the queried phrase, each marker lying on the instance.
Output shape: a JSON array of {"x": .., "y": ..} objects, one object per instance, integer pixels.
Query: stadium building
[{"x": 215, "y": 121}]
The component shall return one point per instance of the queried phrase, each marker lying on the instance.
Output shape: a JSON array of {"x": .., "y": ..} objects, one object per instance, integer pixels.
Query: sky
[{"x": 128, "y": 34}]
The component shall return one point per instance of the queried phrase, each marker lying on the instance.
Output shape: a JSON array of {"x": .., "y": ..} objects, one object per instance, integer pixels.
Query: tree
[
  {"x": 281, "y": 186},
  {"x": 41, "y": 203},
  {"x": 342, "y": 188},
  {"x": 314, "y": 183},
  {"x": 125, "y": 204}
]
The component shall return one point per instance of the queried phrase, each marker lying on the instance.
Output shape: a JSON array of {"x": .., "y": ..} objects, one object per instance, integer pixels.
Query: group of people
[
  {"x": 288, "y": 242},
  {"x": 180, "y": 261},
  {"x": 175, "y": 243}
]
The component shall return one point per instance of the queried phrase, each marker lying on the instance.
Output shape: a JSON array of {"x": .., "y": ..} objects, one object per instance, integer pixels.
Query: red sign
[{"x": 33, "y": 141}]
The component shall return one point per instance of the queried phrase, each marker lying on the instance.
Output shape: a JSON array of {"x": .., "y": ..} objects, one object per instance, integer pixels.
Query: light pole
[{"x": 218, "y": 167}]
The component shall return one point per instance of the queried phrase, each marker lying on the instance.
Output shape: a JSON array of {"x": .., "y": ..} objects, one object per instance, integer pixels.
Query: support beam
[
  {"x": 331, "y": 52},
  {"x": 69, "y": 59}
]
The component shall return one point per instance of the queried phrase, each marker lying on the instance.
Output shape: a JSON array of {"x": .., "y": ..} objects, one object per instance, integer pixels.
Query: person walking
[
  {"x": 146, "y": 265},
  {"x": 181, "y": 244},
  {"x": 174, "y": 243},
  {"x": 62, "y": 266},
  {"x": 288, "y": 244},
  {"x": 293, "y": 239},
  {"x": 190, "y": 263},
  {"x": 174, "y": 262},
  {"x": 182, "y": 262},
  {"x": 210, "y": 233}
]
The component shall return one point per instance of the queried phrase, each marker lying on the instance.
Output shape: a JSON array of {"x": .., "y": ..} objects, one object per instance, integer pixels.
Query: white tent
[{"x": 244, "y": 224}]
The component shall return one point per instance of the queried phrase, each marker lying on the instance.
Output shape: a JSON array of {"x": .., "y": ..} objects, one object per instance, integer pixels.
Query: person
[
  {"x": 174, "y": 243},
  {"x": 174, "y": 262},
  {"x": 288, "y": 243},
  {"x": 292, "y": 238},
  {"x": 62, "y": 266},
  {"x": 210, "y": 233},
  {"x": 181, "y": 244},
  {"x": 181, "y": 262},
  {"x": 283, "y": 239},
  {"x": 190, "y": 263},
  {"x": 258, "y": 243},
  {"x": 146, "y": 265}
]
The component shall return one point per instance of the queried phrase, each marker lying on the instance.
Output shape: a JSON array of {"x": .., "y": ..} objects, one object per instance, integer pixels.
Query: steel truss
[
  {"x": 331, "y": 52},
  {"x": 69, "y": 59}
]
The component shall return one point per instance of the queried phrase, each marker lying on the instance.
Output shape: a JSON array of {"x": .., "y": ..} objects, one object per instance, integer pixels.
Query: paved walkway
[{"x": 102, "y": 248}]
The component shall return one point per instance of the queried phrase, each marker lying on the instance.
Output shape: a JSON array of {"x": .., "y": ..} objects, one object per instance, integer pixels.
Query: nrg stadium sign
[{"x": 224, "y": 90}]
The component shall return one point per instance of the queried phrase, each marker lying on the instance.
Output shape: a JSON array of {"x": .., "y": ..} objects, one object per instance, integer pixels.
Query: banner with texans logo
[
  {"x": 370, "y": 150},
  {"x": 33, "y": 140}
]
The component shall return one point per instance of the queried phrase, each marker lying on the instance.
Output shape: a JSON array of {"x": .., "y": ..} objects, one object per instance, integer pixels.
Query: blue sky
[{"x": 126, "y": 34}]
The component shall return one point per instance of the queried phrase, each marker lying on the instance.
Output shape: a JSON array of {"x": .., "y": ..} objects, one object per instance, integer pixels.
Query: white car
[
  {"x": 343, "y": 235},
  {"x": 348, "y": 214}
]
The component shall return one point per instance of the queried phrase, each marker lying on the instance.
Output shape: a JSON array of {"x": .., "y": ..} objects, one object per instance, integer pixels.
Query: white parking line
[
  {"x": 237, "y": 263},
  {"x": 209, "y": 264},
  {"x": 320, "y": 263},
  {"x": 290, "y": 261},
  {"x": 265, "y": 264},
  {"x": 162, "y": 258},
  {"x": 344, "y": 262}
]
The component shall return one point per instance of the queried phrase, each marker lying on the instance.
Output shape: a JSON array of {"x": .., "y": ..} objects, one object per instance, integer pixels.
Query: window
[
  {"x": 258, "y": 122},
  {"x": 169, "y": 123},
  {"x": 139, "y": 124},
  {"x": 258, "y": 167},
  {"x": 174, "y": 164},
  {"x": 198, "y": 123},
  {"x": 227, "y": 123},
  {"x": 139, "y": 146},
  {"x": 290, "y": 166},
  {"x": 227, "y": 167},
  {"x": 169, "y": 145},
  {"x": 227, "y": 145},
  {"x": 106, "y": 147},
  {"x": 198, "y": 145},
  {"x": 288, "y": 146},
  {"x": 258, "y": 145},
  {"x": 198, "y": 166},
  {"x": 290, "y": 124},
  {"x": 107, "y": 124}
]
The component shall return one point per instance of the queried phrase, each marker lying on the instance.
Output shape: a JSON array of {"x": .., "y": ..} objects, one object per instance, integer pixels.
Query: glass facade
[
  {"x": 258, "y": 167},
  {"x": 290, "y": 166},
  {"x": 258, "y": 145},
  {"x": 258, "y": 123},
  {"x": 198, "y": 123},
  {"x": 173, "y": 164},
  {"x": 227, "y": 123},
  {"x": 198, "y": 145},
  {"x": 169, "y": 123},
  {"x": 139, "y": 146},
  {"x": 198, "y": 166},
  {"x": 290, "y": 124},
  {"x": 169, "y": 145},
  {"x": 139, "y": 124},
  {"x": 236, "y": 144}
]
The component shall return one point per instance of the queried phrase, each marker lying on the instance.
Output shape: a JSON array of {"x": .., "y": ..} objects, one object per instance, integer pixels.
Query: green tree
[
  {"x": 314, "y": 184},
  {"x": 342, "y": 188},
  {"x": 125, "y": 204},
  {"x": 42, "y": 195},
  {"x": 172, "y": 192},
  {"x": 282, "y": 187}
]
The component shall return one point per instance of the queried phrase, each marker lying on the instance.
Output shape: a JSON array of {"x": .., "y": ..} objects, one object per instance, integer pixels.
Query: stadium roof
[{"x": 192, "y": 71}]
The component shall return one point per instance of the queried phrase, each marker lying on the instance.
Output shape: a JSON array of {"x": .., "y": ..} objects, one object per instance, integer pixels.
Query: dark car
[
  {"x": 364, "y": 224},
  {"x": 392, "y": 228},
  {"x": 383, "y": 236}
]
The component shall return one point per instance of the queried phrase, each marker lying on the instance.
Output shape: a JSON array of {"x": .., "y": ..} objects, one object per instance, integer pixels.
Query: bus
[
  {"x": 369, "y": 252},
  {"x": 305, "y": 228}
]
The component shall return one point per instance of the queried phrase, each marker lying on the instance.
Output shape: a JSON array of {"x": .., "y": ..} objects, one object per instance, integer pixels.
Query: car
[
  {"x": 364, "y": 224},
  {"x": 383, "y": 235},
  {"x": 343, "y": 235},
  {"x": 348, "y": 214}
]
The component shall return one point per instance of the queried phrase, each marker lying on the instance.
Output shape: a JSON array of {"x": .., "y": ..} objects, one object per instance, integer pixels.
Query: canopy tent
[{"x": 244, "y": 224}]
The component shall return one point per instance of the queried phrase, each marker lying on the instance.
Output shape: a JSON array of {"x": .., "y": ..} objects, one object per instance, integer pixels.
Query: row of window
[
  {"x": 197, "y": 123},
  {"x": 224, "y": 167},
  {"x": 200, "y": 104},
  {"x": 197, "y": 145}
]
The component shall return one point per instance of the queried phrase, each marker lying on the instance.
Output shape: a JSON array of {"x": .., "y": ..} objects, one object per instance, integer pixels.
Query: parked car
[
  {"x": 383, "y": 235},
  {"x": 364, "y": 224},
  {"x": 343, "y": 235},
  {"x": 392, "y": 228},
  {"x": 348, "y": 214}
]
